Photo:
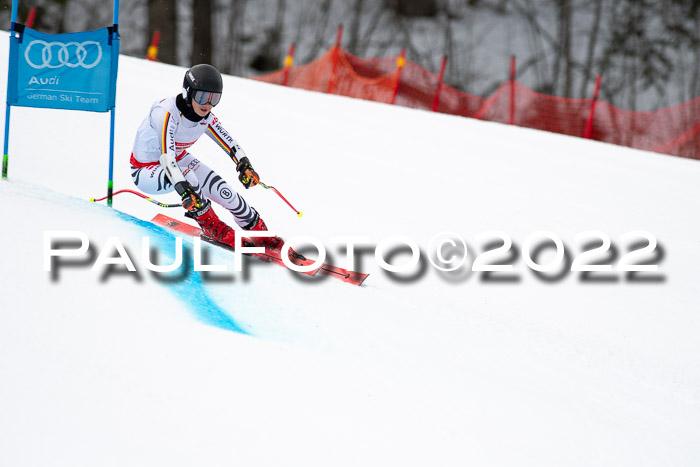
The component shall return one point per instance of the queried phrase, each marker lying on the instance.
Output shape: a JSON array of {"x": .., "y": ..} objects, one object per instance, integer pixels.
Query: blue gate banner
[{"x": 76, "y": 71}]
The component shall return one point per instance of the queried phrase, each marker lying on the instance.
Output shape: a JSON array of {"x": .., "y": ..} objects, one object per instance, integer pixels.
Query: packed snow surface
[{"x": 263, "y": 367}]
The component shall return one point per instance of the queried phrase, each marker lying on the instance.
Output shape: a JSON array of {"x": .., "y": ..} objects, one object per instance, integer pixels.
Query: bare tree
[
  {"x": 681, "y": 19},
  {"x": 50, "y": 15},
  {"x": 354, "y": 29},
  {"x": 268, "y": 57},
  {"x": 636, "y": 57},
  {"x": 593, "y": 35},
  {"x": 540, "y": 41},
  {"x": 201, "y": 32},
  {"x": 314, "y": 20},
  {"x": 162, "y": 16},
  {"x": 642, "y": 48},
  {"x": 414, "y": 8},
  {"x": 564, "y": 61},
  {"x": 694, "y": 87},
  {"x": 235, "y": 38}
]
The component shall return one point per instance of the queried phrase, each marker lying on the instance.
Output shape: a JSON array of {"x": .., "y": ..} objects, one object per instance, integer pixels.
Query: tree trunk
[
  {"x": 319, "y": 31},
  {"x": 201, "y": 32},
  {"x": 694, "y": 89},
  {"x": 234, "y": 63},
  {"x": 413, "y": 8},
  {"x": 588, "y": 72},
  {"x": 354, "y": 30},
  {"x": 269, "y": 56},
  {"x": 564, "y": 62},
  {"x": 162, "y": 17}
]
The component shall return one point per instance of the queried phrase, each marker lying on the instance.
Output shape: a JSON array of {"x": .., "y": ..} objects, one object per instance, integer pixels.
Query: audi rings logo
[{"x": 41, "y": 54}]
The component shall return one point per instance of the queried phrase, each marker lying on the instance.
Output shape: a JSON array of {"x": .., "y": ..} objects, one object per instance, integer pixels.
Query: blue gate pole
[
  {"x": 110, "y": 181},
  {"x": 5, "y": 153},
  {"x": 6, "y": 145}
]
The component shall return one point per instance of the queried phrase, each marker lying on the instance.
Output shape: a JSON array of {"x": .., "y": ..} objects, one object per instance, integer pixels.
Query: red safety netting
[{"x": 674, "y": 130}]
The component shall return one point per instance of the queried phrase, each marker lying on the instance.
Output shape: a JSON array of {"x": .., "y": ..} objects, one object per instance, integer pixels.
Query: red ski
[
  {"x": 351, "y": 277},
  {"x": 188, "y": 229}
]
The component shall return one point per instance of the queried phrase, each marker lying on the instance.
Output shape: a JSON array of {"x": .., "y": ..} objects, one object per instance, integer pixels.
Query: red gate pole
[
  {"x": 152, "y": 53},
  {"x": 31, "y": 17},
  {"x": 436, "y": 101},
  {"x": 288, "y": 62},
  {"x": 511, "y": 119},
  {"x": 400, "y": 62},
  {"x": 589, "y": 123},
  {"x": 336, "y": 52}
]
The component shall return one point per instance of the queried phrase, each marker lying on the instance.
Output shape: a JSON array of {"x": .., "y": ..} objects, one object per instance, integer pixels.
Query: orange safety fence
[{"x": 673, "y": 130}]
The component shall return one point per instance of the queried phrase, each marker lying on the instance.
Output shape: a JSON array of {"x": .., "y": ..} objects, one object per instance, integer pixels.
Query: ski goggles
[{"x": 206, "y": 97}]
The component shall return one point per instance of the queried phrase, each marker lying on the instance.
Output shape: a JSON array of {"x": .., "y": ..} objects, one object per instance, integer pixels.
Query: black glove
[
  {"x": 246, "y": 174},
  {"x": 190, "y": 200}
]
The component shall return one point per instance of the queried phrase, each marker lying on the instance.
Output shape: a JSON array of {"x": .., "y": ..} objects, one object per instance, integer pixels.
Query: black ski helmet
[{"x": 201, "y": 77}]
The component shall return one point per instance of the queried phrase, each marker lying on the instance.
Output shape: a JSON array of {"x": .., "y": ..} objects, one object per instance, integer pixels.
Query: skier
[{"x": 161, "y": 162}]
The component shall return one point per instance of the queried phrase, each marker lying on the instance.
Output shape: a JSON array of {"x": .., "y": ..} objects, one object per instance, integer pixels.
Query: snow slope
[{"x": 264, "y": 368}]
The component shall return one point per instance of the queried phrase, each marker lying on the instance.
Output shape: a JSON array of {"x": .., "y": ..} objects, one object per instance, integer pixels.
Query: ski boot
[
  {"x": 212, "y": 226},
  {"x": 203, "y": 213},
  {"x": 273, "y": 244}
]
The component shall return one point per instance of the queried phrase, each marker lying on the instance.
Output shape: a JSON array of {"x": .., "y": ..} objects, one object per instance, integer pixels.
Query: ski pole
[
  {"x": 163, "y": 205},
  {"x": 268, "y": 187}
]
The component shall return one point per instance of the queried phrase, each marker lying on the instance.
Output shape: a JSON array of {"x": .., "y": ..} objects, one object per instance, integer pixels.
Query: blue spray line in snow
[{"x": 191, "y": 291}]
